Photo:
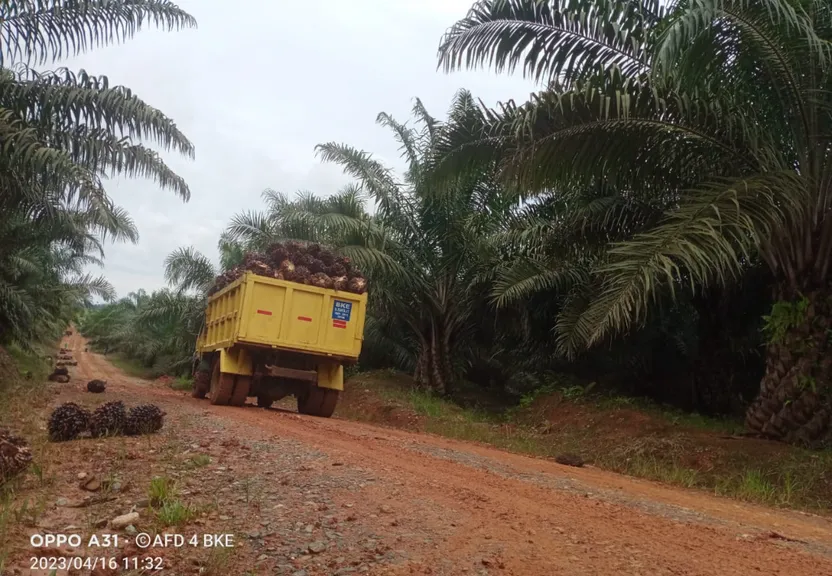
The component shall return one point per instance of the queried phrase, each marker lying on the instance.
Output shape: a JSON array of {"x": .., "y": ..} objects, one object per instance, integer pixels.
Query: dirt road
[{"x": 311, "y": 496}]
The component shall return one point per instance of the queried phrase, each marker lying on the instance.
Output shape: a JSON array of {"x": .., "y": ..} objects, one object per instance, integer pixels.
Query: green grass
[
  {"x": 175, "y": 513},
  {"x": 218, "y": 562},
  {"x": 200, "y": 460},
  {"x": 427, "y": 404},
  {"x": 161, "y": 490},
  {"x": 164, "y": 500},
  {"x": 753, "y": 485},
  {"x": 32, "y": 362},
  {"x": 749, "y": 470},
  {"x": 182, "y": 384},
  {"x": 657, "y": 469},
  {"x": 133, "y": 367},
  {"x": 130, "y": 366}
]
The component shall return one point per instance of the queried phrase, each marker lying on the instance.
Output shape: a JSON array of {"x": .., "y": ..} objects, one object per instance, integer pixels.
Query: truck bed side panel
[{"x": 222, "y": 317}]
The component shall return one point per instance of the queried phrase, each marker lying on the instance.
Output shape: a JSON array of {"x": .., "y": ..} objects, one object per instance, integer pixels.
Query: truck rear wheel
[
  {"x": 202, "y": 384},
  {"x": 242, "y": 384},
  {"x": 318, "y": 402},
  {"x": 222, "y": 386}
]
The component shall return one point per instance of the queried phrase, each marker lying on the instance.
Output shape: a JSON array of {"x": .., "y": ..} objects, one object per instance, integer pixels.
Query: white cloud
[{"x": 256, "y": 87}]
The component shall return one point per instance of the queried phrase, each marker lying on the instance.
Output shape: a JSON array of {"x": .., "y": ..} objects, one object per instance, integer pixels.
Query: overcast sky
[{"x": 255, "y": 87}]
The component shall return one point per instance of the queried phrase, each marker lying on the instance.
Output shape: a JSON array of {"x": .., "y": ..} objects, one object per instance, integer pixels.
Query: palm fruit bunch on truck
[{"x": 309, "y": 264}]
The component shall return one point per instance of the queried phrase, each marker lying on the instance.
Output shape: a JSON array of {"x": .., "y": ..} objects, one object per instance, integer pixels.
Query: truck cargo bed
[{"x": 274, "y": 313}]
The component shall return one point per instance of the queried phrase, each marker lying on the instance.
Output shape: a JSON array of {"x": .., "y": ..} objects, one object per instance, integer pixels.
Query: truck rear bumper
[
  {"x": 329, "y": 375},
  {"x": 328, "y": 372}
]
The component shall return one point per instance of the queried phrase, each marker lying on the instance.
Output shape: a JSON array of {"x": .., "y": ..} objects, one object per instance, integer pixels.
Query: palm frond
[
  {"x": 527, "y": 278},
  {"x": 42, "y": 30},
  {"x": 406, "y": 138},
  {"x": 374, "y": 177},
  {"x": 103, "y": 152},
  {"x": 708, "y": 239},
  {"x": 252, "y": 228},
  {"x": 553, "y": 40},
  {"x": 188, "y": 269},
  {"x": 63, "y": 94}
]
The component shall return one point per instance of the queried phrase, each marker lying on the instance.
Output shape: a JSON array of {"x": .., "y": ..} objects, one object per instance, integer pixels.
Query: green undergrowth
[
  {"x": 23, "y": 394},
  {"x": 22, "y": 383},
  {"x": 131, "y": 367},
  {"x": 624, "y": 435},
  {"x": 32, "y": 365},
  {"x": 182, "y": 383},
  {"x": 165, "y": 503}
]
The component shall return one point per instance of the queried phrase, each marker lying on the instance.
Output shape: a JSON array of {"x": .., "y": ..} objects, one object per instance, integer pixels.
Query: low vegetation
[
  {"x": 20, "y": 398},
  {"x": 639, "y": 438}
]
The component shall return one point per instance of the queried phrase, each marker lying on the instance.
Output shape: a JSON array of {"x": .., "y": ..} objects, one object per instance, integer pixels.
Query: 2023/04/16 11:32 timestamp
[{"x": 150, "y": 563}]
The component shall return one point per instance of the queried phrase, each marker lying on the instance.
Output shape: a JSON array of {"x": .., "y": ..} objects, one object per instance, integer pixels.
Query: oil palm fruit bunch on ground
[
  {"x": 108, "y": 419},
  {"x": 67, "y": 421},
  {"x": 60, "y": 374},
  {"x": 96, "y": 386},
  {"x": 14, "y": 455},
  {"x": 310, "y": 264},
  {"x": 144, "y": 419}
]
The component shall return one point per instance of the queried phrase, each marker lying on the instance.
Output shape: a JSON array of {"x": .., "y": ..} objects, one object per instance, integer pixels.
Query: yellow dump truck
[{"x": 269, "y": 338}]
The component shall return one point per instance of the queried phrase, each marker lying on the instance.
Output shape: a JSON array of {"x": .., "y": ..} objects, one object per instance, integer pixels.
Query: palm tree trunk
[
  {"x": 422, "y": 374},
  {"x": 794, "y": 400},
  {"x": 447, "y": 368},
  {"x": 438, "y": 382},
  {"x": 417, "y": 373},
  {"x": 433, "y": 368}
]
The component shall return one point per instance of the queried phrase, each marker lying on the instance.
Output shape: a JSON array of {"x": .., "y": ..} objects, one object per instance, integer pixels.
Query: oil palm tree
[
  {"x": 716, "y": 113},
  {"x": 159, "y": 329},
  {"x": 307, "y": 217},
  {"x": 109, "y": 327},
  {"x": 418, "y": 245},
  {"x": 189, "y": 270},
  {"x": 44, "y": 251},
  {"x": 61, "y": 134},
  {"x": 65, "y": 130}
]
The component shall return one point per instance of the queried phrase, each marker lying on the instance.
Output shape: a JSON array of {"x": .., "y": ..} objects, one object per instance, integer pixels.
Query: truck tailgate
[{"x": 276, "y": 313}]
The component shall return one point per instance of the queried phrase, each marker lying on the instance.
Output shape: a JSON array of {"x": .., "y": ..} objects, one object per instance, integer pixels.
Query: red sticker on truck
[
  {"x": 304, "y": 318},
  {"x": 265, "y": 312},
  {"x": 339, "y": 324}
]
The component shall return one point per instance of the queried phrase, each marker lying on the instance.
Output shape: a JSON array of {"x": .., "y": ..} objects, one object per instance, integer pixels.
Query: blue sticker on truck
[{"x": 341, "y": 310}]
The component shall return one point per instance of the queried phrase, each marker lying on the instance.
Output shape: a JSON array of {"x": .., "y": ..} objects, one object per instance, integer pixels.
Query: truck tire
[
  {"x": 318, "y": 402},
  {"x": 242, "y": 384},
  {"x": 265, "y": 401},
  {"x": 202, "y": 384},
  {"x": 222, "y": 386}
]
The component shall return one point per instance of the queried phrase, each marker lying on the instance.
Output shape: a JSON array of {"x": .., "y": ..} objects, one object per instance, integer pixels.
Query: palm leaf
[
  {"x": 709, "y": 239},
  {"x": 188, "y": 269},
  {"x": 553, "y": 40},
  {"x": 42, "y": 30}
]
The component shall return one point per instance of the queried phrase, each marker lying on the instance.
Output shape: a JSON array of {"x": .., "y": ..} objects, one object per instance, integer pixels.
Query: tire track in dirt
[{"x": 509, "y": 514}]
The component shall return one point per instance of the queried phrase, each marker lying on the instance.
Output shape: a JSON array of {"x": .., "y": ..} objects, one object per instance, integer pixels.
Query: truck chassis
[{"x": 275, "y": 375}]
